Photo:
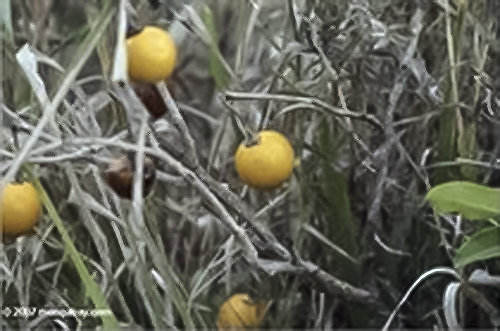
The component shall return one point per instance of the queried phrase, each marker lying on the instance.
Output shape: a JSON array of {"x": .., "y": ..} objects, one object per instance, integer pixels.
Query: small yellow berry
[
  {"x": 20, "y": 208},
  {"x": 240, "y": 311},
  {"x": 151, "y": 55},
  {"x": 266, "y": 164}
]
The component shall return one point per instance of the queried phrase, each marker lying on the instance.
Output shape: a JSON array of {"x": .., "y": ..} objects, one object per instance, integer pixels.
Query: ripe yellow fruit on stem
[
  {"x": 151, "y": 55},
  {"x": 240, "y": 311},
  {"x": 20, "y": 208},
  {"x": 267, "y": 163}
]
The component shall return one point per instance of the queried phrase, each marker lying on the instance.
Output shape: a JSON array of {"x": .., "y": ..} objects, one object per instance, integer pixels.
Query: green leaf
[
  {"x": 92, "y": 289},
  {"x": 217, "y": 69},
  {"x": 473, "y": 201},
  {"x": 481, "y": 246}
]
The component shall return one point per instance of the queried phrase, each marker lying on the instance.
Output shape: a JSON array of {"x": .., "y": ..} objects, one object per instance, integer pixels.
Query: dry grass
[{"x": 381, "y": 100}]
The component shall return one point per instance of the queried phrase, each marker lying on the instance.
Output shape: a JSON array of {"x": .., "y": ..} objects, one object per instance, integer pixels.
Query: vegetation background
[{"x": 381, "y": 99}]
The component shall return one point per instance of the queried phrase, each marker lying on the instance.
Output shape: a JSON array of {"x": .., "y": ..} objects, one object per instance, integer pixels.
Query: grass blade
[{"x": 92, "y": 289}]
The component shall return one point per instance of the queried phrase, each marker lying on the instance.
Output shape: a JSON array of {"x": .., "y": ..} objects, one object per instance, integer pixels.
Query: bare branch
[{"x": 232, "y": 95}]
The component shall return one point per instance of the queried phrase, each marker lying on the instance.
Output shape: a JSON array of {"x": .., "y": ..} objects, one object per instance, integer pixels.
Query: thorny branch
[
  {"x": 335, "y": 64},
  {"x": 207, "y": 186},
  {"x": 213, "y": 191},
  {"x": 328, "y": 282}
]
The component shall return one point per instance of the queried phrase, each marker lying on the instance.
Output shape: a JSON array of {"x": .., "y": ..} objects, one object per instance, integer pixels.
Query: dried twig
[
  {"x": 174, "y": 115},
  {"x": 329, "y": 282},
  {"x": 232, "y": 95}
]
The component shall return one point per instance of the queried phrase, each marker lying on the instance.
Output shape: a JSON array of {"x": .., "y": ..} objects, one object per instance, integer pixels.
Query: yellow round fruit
[
  {"x": 240, "y": 311},
  {"x": 267, "y": 163},
  {"x": 20, "y": 208},
  {"x": 151, "y": 55}
]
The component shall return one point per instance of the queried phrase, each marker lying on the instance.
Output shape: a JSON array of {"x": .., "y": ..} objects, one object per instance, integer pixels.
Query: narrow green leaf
[
  {"x": 473, "y": 201},
  {"x": 481, "y": 246},
  {"x": 217, "y": 69},
  {"x": 93, "y": 290}
]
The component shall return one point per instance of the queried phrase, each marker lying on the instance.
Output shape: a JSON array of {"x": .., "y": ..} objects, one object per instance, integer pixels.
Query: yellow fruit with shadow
[
  {"x": 240, "y": 311},
  {"x": 151, "y": 55},
  {"x": 20, "y": 208},
  {"x": 266, "y": 162}
]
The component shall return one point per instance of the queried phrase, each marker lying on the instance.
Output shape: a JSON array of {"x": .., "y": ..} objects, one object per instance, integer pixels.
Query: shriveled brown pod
[
  {"x": 151, "y": 98},
  {"x": 120, "y": 175}
]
